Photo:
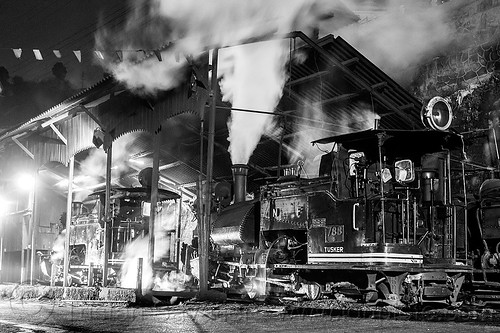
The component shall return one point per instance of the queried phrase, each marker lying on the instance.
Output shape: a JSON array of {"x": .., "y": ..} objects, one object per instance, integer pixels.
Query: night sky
[
  {"x": 48, "y": 25},
  {"x": 71, "y": 25}
]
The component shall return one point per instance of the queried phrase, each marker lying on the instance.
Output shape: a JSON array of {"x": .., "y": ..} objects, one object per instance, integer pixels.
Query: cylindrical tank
[
  {"x": 428, "y": 186},
  {"x": 433, "y": 178}
]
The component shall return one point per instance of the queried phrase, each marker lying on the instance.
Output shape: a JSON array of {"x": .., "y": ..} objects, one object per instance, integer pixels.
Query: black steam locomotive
[{"x": 387, "y": 220}]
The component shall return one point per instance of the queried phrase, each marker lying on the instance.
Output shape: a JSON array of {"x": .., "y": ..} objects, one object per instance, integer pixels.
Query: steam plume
[
  {"x": 93, "y": 167},
  {"x": 196, "y": 26},
  {"x": 346, "y": 121},
  {"x": 128, "y": 275},
  {"x": 165, "y": 221},
  {"x": 402, "y": 37},
  {"x": 252, "y": 78}
]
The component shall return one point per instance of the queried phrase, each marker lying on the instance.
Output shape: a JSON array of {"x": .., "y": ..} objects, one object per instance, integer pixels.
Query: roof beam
[
  {"x": 340, "y": 98},
  {"x": 59, "y": 134},
  {"x": 55, "y": 119},
  {"x": 379, "y": 85},
  {"x": 170, "y": 165},
  {"x": 320, "y": 73},
  {"x": 259, "y": 169},
  {"x": 26, "y": 150},
  {"x": 351, "y": 61},
  {"x": 307, "y": 78}
]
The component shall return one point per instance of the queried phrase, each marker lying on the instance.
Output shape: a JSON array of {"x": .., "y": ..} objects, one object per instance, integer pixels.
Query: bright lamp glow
[
  {"x": 3, "y": 206},
  {"x": 25, "y": 181}
]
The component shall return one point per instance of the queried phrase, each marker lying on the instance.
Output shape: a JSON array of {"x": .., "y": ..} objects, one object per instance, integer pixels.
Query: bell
[{"x": 145, "y": 177}]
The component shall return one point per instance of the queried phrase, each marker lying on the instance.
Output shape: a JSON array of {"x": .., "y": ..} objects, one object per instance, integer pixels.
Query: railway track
[{"x": 432, "y": 312}]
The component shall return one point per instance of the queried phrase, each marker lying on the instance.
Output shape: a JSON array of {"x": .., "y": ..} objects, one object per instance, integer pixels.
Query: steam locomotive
[
  {"x": 129, "y": 222},
  {"x": 387, "y": 220}
]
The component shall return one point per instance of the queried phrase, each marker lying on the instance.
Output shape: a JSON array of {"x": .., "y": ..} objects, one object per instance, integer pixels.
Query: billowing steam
[
  {"x": 58, "y": 247},
  {"x": 252, "y": 78},
  {"x": 319, "y": 126},
  {"x": 165, "y": 246},
  {"x": 93, "y": 168},
  {"x": 192, "y": 27},
  {"x": 401, "y": 37},
  {"x": 195, "y": 26},
  {"x": 129, "y": 270}
]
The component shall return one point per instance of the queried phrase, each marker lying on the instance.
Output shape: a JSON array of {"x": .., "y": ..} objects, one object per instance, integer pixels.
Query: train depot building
[{"x": 358, "y": 187}]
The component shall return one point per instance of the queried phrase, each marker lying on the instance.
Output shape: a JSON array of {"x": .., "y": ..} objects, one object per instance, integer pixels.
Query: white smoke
[
  {"x": 171, "y": 281},
  {"x": 318, "y": 126},
  {"x": 129, "y": 270},
  {"x": 58, "y": 247},
  {"x": 92, "y": 169},
  {"x": 401, "y": 37},
  {"x": 254, "y": 77},
  {"x": 166, "y": 221}
]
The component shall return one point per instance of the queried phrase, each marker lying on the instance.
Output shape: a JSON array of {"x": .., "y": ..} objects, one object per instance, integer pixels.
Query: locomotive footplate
[
  {"x": 369, "y": 254},
  {"x": 394, "y": 268}
]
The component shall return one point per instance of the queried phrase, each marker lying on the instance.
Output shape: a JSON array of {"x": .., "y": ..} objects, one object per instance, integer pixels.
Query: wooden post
[
  {"x": 154, "y": 195},
  {"x": 199, "y": 199},
  {"x": 69, "y": 201},
  {"x": 34, "y": 226},
  {"x": 204, "y": 232},
  {"x": 1, "y": 245},
  {"x": 139, "y": 276},
  {"x": 90, "y": 275},
  {"x": 178, "y": 236},
  {"x": 107, "y": 214}
]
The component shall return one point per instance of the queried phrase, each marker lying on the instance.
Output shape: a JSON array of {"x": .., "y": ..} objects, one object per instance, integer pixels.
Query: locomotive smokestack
[
  {"x": 240, "y": 172},
  {"x": 76, "y": 208}
]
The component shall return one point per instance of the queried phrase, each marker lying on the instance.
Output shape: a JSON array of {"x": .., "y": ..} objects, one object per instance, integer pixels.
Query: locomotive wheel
[
  {"x": 251, "y": 289},
  {"x": 256, "y": 287},
  {"x": 312, "y": 290},
  {"x": 370, "y": 296}
]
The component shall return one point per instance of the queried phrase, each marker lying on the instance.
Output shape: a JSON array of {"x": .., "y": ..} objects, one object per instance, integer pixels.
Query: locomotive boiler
[{"x": 385, "y": 221}]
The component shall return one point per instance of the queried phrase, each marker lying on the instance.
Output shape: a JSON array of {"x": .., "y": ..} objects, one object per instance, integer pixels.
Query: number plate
[{"x": 334, "y": 234}]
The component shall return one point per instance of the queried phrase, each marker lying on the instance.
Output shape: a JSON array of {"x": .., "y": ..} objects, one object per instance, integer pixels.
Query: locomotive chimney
[
  {"x": 240, "y": 172},
  {"x": 76, "y": 208}
]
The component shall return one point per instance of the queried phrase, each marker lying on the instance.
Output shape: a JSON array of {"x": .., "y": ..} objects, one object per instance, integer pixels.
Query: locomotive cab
[{"x": 395, "y": 197}]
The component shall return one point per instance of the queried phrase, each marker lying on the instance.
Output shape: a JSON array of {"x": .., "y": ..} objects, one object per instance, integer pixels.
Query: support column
[
  {"x": 204, "y": 232},
  {"x": 69, "y": 201},
  {"x": 33, "y": 226},
  {"x": 1, "y": 245},
  {"x": 107, "y": 213},
  {"x": 154, "y": 194},
  {"x": 178, "y": 237}
]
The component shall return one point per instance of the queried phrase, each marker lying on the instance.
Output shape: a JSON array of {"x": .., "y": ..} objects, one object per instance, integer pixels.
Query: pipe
[
  {"x": 381, "y": 139},
  {"x": 240, "y": 172},
  {"x": 496, "y": 145}
]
